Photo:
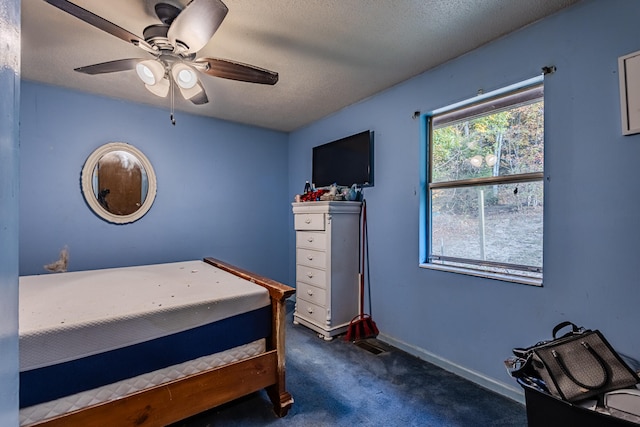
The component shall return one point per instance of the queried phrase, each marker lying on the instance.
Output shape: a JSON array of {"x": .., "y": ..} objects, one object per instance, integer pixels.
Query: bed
[{"x": 148, "y": 345}]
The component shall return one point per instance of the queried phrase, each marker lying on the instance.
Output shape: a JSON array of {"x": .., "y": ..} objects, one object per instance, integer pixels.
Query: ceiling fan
[{"x": 173, "y": 45}]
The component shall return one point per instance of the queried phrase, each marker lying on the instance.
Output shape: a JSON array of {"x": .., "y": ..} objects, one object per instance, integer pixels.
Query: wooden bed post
[
  {"x": 278, "y": 292},
  {"x": 277, "y": 392}
]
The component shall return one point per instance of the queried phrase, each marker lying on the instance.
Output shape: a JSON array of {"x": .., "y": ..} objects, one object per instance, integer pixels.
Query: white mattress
[
  {"x": 66, "y": 316},
  {"x": 123, "y": 388}
]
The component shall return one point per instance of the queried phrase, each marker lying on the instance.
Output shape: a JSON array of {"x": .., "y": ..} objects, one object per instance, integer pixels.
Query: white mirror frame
[{"x": 87, "y": 183}]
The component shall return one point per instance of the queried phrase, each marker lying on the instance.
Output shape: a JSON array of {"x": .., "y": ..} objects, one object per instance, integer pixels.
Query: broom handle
[{"x": 362, "y": 238}]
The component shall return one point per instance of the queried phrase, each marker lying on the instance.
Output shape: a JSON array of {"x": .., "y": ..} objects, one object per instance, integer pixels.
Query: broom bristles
[{"x": 361, "y": 327}]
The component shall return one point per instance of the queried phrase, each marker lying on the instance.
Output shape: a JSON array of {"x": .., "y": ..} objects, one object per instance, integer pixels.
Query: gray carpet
[{"x": 337, "y": 383}]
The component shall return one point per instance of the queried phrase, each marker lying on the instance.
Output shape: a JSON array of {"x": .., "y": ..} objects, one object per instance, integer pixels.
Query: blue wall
[
  {"x": 592, "y": 230},
  {"x": 221, "y": 186},
  {"x": 9, "y": 119}
]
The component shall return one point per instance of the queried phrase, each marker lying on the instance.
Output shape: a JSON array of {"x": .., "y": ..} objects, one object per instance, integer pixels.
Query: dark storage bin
[{"x": 545, "y": 410}]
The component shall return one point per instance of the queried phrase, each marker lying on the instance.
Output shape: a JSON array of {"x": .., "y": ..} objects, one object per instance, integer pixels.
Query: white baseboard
[{"x": 503, "y": 389}]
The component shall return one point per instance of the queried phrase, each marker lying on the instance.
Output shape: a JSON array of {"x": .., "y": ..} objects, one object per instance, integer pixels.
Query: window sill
[{"x": 531, "y": 281}]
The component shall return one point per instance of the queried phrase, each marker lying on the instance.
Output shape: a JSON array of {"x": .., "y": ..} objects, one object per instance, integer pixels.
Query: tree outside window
[{"x": 485, "y": 187}]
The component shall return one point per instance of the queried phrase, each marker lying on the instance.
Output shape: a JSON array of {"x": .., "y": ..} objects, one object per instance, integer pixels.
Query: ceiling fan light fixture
[
  {"x": 184, "y": 76},
  {"x": 160, "y": 89},
  {"x": 191, "y": 92},
  {"x": 150, "y": 71}
]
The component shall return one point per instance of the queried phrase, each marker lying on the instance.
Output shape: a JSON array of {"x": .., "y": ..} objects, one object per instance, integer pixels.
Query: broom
[{"x": 362, "y": 326}]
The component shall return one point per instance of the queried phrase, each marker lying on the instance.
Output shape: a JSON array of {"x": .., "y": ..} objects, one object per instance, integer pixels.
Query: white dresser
[{"x": 327, "y": 264}]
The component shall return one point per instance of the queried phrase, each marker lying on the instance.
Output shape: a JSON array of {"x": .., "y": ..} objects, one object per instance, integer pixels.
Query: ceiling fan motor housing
[
  {"x": 167, "y": 12},
  {"x": 156, "y": 36}
]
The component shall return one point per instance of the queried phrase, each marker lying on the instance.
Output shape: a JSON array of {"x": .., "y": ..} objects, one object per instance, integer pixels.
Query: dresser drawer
[
  {"x": 309, "y": 221},
  {"x": 311, "y": 294},
  {"x": 311, "y": 240},
  {"x": 311, "y": 311},
  {"x": 313, "y": 276},
  {"x": 311, "y": 258}
]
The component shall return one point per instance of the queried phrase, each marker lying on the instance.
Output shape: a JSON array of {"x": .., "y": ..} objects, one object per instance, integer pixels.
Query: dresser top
[{"x": 326, "y": 207}]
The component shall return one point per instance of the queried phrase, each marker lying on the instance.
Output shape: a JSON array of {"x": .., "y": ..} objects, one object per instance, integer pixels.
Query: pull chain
[{"x": 171, "y": 84}]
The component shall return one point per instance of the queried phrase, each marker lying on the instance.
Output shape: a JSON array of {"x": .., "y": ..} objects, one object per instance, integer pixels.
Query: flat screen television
[{"x": 345, "y": 162}]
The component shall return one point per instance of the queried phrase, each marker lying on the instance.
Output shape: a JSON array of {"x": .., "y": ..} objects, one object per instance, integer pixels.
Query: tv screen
[{"x": 345, "y": 162}]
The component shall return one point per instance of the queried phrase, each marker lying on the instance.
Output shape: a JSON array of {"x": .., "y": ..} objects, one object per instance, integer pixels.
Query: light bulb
[
  {"x": 187, "y": 79},
  {"x": 184, "y": 76},
  {"x": 150, "y": 71},
  {"x": 145, "y": 74}
]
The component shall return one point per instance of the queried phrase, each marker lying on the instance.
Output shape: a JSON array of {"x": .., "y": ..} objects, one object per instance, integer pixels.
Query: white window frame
[{"x": 426, "y": 185}]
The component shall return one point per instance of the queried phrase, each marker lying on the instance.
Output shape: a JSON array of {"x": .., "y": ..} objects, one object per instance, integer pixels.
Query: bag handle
[
  {"x": 525, "y": 352},
  {"x": 596, "y": 356},
  {"x": 574, "y": 328}
]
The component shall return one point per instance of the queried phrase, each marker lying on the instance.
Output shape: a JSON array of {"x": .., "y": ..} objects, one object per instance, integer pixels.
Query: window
[{"x": 485, "y": 184}]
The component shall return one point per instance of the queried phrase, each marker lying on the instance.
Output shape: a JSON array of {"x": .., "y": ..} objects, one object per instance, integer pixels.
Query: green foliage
[
  {"x": 515, "y": 137},
  {"x": 507, "y": 142}
]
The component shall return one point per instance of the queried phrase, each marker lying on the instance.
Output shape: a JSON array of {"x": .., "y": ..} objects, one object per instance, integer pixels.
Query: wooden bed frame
[{"x": 179, "y": 399}]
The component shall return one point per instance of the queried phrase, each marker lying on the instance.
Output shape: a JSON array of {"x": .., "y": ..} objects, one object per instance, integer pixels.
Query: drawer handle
[
  {"x": 310, "y": 292},
  {"x": 307, "y": 221},
  {"x": 310, "y": 257},
  {"x": 310, "y": 310},
  {"x": 310, "y": 275},
  {"x": 310, "y": 239}
]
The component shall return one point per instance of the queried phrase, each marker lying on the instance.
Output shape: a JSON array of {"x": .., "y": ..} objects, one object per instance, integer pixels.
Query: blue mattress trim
[{"x": 63, "y": 379}]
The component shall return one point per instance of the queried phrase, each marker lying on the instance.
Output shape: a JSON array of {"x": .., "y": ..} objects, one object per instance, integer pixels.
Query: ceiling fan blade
[
  {"x": 98, "y": 22},
  {"x": 197, "y": 23},
  {"x": 110, "y": 67},
  {"x": 237, "y": 71}
]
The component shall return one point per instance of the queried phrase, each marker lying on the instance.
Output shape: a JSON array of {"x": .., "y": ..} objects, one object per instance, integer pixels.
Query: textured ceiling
[{"x": 329, "y": 53}]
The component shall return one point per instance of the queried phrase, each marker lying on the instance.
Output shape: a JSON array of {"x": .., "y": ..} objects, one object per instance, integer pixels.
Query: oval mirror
[{"x": 118, "y": 183}]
